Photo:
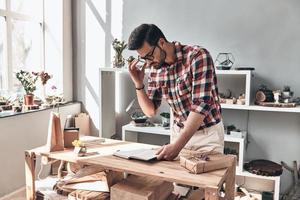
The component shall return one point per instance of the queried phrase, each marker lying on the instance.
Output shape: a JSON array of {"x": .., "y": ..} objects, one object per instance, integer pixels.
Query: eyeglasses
[{"x": 149, "y": 56}]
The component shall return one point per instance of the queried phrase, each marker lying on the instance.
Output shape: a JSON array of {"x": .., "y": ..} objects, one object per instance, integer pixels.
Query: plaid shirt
[{"x": 190, "y": 84}]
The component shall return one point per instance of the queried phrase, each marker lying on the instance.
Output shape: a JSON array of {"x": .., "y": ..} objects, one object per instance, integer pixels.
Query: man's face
[{"x": 153, "y": 55}]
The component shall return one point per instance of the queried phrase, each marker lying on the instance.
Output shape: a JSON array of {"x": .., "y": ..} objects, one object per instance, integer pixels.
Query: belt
[{"x": 181, "y": 125}]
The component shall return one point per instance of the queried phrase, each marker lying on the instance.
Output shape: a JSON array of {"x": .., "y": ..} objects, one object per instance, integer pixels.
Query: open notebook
[{"x": 138, "y": 154}]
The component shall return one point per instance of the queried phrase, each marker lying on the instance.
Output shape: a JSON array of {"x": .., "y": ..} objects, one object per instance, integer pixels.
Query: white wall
[
  {"x": 260, "y": 34},
  {"x": 20, "y": 133}
]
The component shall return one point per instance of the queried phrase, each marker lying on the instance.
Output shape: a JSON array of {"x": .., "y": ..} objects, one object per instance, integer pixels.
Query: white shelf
[
  {"x": 248, "y": 174},
  {"x": 233, "y": 72},
  {"x": 114, "y": 69},
  {"x": 162, "y": 131},
  {"x": 260, "y": 108},
  {"x": 226, "y": 72},
  {"x": 228, "y": 138},
  {"x": 153, "y": 130}
]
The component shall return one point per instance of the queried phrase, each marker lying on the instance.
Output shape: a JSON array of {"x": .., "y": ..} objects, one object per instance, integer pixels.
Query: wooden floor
[{"x": 19, "y": 194}]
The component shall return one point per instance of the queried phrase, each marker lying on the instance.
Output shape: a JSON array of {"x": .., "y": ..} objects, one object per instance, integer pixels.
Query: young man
[{"x": 184, "y": 76}]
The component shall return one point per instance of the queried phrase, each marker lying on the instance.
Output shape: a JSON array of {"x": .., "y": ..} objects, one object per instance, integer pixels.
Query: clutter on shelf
[
  {"x": 234, "y": 132},
  {"x": 16, "y": 101},
  {"x": 136, "y": 114},
  {"x": 165, "y": 119},
  {"x": 263, "y": 167},
  {"x": 228, "y": 150},
  {"x": 276, "y": 98},
  {"x": 224, "y": 61},
  {"x": 228, "y": 98}
]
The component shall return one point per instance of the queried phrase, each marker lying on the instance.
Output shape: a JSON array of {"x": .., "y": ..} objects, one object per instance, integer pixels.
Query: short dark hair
[{"x": 144, "y": 32}]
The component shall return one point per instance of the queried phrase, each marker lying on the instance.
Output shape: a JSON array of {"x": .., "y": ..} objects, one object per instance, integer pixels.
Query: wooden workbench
[{"x": 164, "y": 170}]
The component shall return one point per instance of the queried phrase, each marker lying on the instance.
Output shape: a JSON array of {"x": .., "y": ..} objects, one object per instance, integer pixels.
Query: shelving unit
[
  {"x": 260, "y": 108},
  {"x": 239, "y": 80}
]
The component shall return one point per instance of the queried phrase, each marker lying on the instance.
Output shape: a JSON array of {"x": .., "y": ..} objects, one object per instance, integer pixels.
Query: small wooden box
[
  {"x": 69, "y": 136},
  {"x": 141, "y": 188},
  {"x": 197, "y": 166}
]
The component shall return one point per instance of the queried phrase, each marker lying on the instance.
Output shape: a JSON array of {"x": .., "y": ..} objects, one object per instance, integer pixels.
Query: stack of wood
[
  {"x": 141, "y": 188},
  {"x": 293, "y": 192},
  {"x": 89, "y": 183}
]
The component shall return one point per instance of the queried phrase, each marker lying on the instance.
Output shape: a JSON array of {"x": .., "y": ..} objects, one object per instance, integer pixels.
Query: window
[
  {"x": 21, "y": 40},
  {"x": 3, "y": 64},
  {"x": 2, "y": 4}
]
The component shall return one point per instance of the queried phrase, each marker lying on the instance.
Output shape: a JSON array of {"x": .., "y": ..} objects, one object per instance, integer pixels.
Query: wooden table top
[{"x": 102, "y": 155}]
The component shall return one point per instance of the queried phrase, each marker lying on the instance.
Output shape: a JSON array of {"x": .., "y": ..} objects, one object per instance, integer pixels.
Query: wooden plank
[
  {"x": 141, "y": 188},
  {"x": 30, "y": 175},
  {"x": 166, "y": 170},
  {"x": 230, "y": 181}
]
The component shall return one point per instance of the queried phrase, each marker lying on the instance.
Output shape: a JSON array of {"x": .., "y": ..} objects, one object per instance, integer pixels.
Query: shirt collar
[{"x": 178, "y": 51}]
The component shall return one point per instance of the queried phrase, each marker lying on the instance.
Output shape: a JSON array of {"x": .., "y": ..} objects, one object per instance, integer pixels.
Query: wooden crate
[{"x": 141, "y": 188}]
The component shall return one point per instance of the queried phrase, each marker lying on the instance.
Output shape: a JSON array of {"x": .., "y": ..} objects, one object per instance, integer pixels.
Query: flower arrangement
[
  {"x": 44, "y": 76},
  {"x": 78, "y": 143},
  {"x": 80, "y": 148},
  {"x": 119, "y": 47}
]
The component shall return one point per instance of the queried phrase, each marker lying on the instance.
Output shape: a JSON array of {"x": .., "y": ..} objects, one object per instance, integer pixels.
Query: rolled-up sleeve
[
  {"x": 202, "y": 69},
  {"x": 154, "y": 93}
]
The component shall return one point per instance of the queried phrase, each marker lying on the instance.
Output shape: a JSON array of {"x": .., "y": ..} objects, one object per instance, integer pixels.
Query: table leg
[
  {"x": 211, "y": 193},
  {"x": 30, "y": 160},
  {"x": 230, "y": 181},
  {"x": 60, "y": 168}
]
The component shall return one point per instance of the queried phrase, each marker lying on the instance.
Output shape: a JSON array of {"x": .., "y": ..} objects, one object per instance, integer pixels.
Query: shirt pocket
[{"x": 184, "y": 84}]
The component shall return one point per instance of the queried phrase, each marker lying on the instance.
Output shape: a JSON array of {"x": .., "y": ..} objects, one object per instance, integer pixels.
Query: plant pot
[
  {"x": 118, "y": 61},
  {"x": 165, "y": 121},
  {"x": 80, "y": 151},
  {"x": 28, "y": 99},
  {"x": 17, "y": 108}
]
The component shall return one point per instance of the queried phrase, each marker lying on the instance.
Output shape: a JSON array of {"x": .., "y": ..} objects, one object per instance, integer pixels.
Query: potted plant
[
  {"x": 5, "y": 103},
  {"x": 165, "y": 119},
  {"x": 17, "y": 104},
  {"x": 28, "y": 81},
  {"x": 119, "y": 47},
  {"x": 79, "y": 148}
]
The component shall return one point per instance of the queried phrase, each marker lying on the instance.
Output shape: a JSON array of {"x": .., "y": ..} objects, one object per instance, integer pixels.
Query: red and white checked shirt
[{"x": 190, "y": 84}]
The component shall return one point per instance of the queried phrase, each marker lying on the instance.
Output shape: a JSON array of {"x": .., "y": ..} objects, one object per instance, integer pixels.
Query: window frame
[{"x": 9, "y": 16}]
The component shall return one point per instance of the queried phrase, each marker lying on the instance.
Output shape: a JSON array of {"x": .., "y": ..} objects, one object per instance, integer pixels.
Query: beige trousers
[{"x": 208, "y": 139}]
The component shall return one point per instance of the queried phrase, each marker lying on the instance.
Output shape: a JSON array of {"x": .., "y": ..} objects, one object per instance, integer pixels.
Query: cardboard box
[
  {"x": 88, "y": 195},
  {"x": 82, "y": 121},
  {"x": 141, "y": 188},
  {"x": 197, "y": 165},
  {"x": 69, "y": 136}
]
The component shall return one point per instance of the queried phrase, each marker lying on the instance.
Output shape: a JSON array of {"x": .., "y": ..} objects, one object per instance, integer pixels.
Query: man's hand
[
  {"x": 168, "y": 152},
  {"x": 137, "y": 76}
]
